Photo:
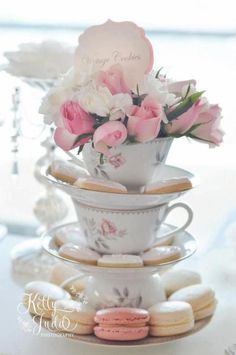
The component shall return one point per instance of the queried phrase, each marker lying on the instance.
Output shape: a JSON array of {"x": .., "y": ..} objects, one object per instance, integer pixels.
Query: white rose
[
  {"x": 156, "y": 88},
  {"x": 95, "y": 100},
  {"x": 118, "y": 105}
]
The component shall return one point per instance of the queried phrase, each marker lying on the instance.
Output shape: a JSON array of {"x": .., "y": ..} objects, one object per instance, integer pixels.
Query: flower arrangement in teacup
[{"x": 112, "y": 97}]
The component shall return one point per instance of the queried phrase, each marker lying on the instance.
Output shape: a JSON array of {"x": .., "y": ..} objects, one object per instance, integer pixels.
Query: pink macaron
[{"x": 121, "y": 324}]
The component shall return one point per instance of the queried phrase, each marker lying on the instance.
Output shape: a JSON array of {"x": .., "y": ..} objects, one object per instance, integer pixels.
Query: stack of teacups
[{"x": 123, "y": 230}]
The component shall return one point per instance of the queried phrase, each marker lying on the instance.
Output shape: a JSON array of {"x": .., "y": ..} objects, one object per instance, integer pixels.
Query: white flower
[
  {"x": 99, "y": 100},
  {"x": 156, "y": 88},
  {"x": 64, "y": 90},
  {"x": 118, "y": 105},
  {"x": 95, "y": 100}
]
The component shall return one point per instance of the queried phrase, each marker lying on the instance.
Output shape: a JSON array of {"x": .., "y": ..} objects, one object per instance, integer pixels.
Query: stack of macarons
[
  {"x": 121, "y": 324},
  {"x": 200, "y": 297},
  {"x": 73, "y": 317},
  {"x": 170, "y": 318},
  {"x": 185, "y": 286},
  {"x": 50, "y": 301},
  {"x": 39, "y": 298}
]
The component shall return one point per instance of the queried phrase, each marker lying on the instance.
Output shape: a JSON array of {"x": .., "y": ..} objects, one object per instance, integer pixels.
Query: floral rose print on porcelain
[
  {"x": 125, "y": 232},
  {"x": 127, "y": 289},
  {"x": 116, "y": 160},
  {"x": 99, "y": 235}
]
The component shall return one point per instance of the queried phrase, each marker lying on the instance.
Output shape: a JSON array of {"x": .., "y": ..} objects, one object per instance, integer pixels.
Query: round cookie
[
  {"x": 64, "y": 236},
  {"x": 62, "y": 272},
  {"x": 122, "y": 316},
  {"x": 39, "y": 297},
  {"x": 200, "y": 297},
  {"x": 67, "y": 171},
  {"x": 170, "y": 318},
  {"x": 121, "y": 324},
  {"x": 175, "y": 279},
  {"x": 73, "y": 317},
  {"x": 120, "y": 261},
  {"x": 159, "y": 255},
  {"x": 121, "y": 333},
  {"x": 79, "y": 254}
]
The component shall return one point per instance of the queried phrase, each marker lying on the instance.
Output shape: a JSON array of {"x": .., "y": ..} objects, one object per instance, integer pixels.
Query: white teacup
[
  {"x": 121, "y": 288},
  {"x": 128, "y": 232},
  {"x": 132, "y": 165},
  {"x": 124, "y": 289}
]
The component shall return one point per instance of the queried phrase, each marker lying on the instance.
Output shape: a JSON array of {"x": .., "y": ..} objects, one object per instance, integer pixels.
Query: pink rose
[
  {"x": 110, "y": 134},
  {"x": 184, "y": 122},
  {"x": 210, "y": 129},
  {"x": 107, "y": 227},
  {"x": 113, "y": 79},
  {"x": 76, "y": 122},
  {"x": 144, "y": 121},
  {"x": 66, "y": 140},
  {"x": 177, "y": 86},
  {"x": 75, "y": 119}
]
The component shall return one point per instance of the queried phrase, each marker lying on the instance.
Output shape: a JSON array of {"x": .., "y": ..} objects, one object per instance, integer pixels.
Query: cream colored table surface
[{"x": 214, "y": 204}]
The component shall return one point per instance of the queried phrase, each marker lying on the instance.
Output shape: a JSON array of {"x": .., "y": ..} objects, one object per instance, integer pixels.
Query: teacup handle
[
  {"x": 189, "y": 211},
  {"x": 76, "y": 160}
]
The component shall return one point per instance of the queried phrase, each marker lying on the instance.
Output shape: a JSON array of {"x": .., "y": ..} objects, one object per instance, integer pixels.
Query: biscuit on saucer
[
  {"x": 90, "y": 183},
  {"x": 79, "y": 253},
  {"x": 67, "y": 171},
  {"x": 159, "y": 255},
  {"x": 168, "y": 186},
  {"x": 120, "y": 261}
]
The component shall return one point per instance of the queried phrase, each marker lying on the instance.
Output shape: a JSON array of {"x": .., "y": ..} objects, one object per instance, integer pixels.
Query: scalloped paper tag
[{"x": 111, "y": 43}]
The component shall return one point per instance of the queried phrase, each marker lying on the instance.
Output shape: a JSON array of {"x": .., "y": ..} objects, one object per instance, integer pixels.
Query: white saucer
[
  {"x": 123, "y": 201},
  {"x": 147, "y": 342},
  {"x": 184, "y": 240}
]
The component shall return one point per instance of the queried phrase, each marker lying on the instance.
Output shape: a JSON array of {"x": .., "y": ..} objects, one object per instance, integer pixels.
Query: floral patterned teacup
[
  {"x": 124, "y": 289},
  {"x": 128, "y": 232},
  {"x": 132, "y": 165}
]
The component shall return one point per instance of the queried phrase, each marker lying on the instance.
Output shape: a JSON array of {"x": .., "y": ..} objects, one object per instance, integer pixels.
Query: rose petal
[{"x": 65, "y": 139}]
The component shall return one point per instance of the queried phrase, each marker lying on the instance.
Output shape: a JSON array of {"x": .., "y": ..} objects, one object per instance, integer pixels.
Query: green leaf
[
  {"x": 82, "y": 136},
  {"x": 184, "y": 106},
  {"x": 200, "y": 139},
  {"x": 100, "y": 121},
  {"x": 130, "y": 140},
  {"x": 137, "y": 100},
  {"x": 101, "y": 160},
  {"x": 158, "y": 72},
  {"x": 187, "y": 92},
  {"x": 80, "y": 149}
]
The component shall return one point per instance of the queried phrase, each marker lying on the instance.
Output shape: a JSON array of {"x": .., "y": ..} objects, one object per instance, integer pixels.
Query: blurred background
[{"x": 191, "y": 39}]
